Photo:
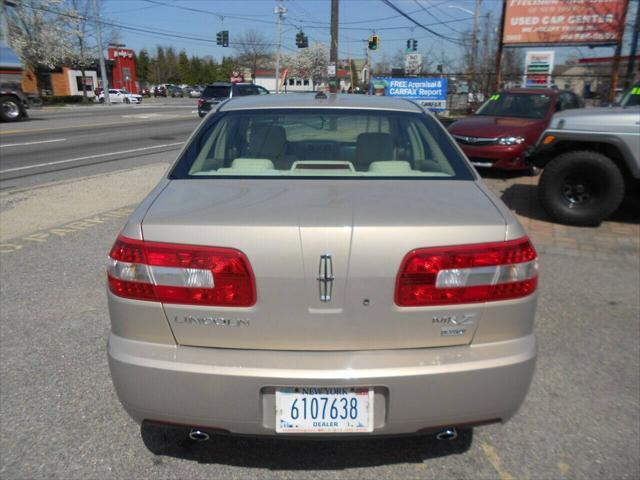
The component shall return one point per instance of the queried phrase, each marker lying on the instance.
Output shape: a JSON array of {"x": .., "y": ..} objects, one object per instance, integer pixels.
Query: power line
[
  {"x": 145, "y": 30},
  {"x": 368, "y": 29},
  {"x": 207, "y": 12},
  {"x": 448, "y": 39},
  {"x": 436, "y": 18},
  {"x": 356, "y": 22}
]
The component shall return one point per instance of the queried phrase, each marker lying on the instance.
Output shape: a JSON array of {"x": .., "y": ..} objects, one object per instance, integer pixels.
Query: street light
[
  {"x": 462, "y": 8},
  {"x": 474, "y": 40}
]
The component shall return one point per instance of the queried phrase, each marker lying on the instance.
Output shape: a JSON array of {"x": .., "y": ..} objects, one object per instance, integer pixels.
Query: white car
[{"x": 120, "y": 95}]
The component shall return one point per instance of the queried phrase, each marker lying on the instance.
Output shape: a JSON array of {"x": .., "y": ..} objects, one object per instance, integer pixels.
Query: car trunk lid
[{"x": 325, "y": 256}]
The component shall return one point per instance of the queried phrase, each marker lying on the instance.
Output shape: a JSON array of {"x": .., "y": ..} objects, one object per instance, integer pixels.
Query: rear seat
[{"x": 249, "y": 165}]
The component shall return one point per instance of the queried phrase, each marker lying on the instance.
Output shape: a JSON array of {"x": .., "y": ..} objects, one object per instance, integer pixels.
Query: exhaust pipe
[
  {"x": 198, "y": 435},
  {"x": 447, "y": 434}
]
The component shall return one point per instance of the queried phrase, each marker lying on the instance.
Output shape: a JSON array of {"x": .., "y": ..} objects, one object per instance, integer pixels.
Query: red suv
[{"x": 504, "y": 130}]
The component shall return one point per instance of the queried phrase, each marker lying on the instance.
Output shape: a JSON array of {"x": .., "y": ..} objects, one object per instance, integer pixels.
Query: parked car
[
  {"x": 195, "y": 92},
  {"x": 161, "y": 90},
  {"x": 321, "y": 265},
  {"x": 503, "y": 132},
  {"x": 218, "y": 92},
  {"x": 120, "y": 95},
  {"x": 175, "y": 92},
  {"x": 591, "y": 159}
]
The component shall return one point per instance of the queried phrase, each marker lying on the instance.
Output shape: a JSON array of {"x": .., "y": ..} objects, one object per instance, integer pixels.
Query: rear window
[
  {"x": 523, "y": 105},
  {"x": 315, "y": 143},
  {"x": 214, "y": 92}
]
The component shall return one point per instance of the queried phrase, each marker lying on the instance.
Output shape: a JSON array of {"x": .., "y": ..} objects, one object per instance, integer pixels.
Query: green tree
[
  {"x": 143, "y": 66},
  {"x": 195, "y": 66},
  {"x": 227, "y": 66},
  {"x": 171, "y": 65},
  {"x": 184, "y": 69},
  {"x": 157, "y": 66}
]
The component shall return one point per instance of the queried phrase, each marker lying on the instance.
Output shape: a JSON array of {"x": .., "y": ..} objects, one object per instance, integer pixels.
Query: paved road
[
  {"x": 56, "y": 141},
  {"x": 60, "y": 418}
]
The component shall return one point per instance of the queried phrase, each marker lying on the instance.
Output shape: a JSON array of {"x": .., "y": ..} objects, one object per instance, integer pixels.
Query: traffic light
[
  {"x": 414, "y": 45},
  {"x": 301, "y": 40},
  {"x": 408, "y": 45},
  {"x": 374, "y": 42},
  {"x": 222, "y": 38}
]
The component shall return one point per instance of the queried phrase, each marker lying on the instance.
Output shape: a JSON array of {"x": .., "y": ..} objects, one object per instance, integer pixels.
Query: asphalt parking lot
[{"x": 60, "y": 418}]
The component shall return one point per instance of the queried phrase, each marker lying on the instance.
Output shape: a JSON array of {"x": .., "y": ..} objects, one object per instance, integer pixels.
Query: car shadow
[
  {"x": 502, "y": 174},
  {"x": 300, "y": 454},
  {"x": 523, "y": 200}
]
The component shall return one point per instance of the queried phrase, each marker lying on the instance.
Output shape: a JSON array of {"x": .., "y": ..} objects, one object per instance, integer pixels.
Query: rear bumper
[{"x": 233, "y": 390}]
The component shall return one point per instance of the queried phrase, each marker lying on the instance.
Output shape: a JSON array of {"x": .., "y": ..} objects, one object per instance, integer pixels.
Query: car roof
[
  {"x": 534, "y": 91},
  {"x": 331, "y": 100}
]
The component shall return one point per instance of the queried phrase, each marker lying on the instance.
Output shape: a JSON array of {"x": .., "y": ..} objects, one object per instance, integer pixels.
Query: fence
[{"x": 464, "y": 95}]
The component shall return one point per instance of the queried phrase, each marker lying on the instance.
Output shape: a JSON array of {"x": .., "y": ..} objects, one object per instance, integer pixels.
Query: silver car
[{"x": 325, "y": 265}]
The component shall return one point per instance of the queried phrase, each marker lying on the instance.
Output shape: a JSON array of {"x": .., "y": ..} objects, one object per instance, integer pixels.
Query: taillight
[
  {"x": 200, "y": 102},
  {"x": 183, "y": 274},
  {"x": 467, "y": 274}
]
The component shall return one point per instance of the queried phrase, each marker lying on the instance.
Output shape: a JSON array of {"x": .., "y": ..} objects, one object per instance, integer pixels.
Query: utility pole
[
  {"x": 474, "y": 45},
  {"x": 500, "y": 46},
  {"x": 333, "y": 53},
  {"x": 103, "y": 68},
  {"x": 280, "y": 11},
  {"x": 615, "y": 68},
  {"x": 634, "y": 48}
]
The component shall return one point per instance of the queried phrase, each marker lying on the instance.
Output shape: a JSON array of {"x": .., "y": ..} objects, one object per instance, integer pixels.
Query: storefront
[{"x": 123, "y": 72}]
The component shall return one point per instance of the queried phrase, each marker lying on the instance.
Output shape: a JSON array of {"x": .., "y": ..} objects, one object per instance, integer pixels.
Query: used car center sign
[
  {"x": 537, "y": 22},
  {"x": 431, "y": 93}
]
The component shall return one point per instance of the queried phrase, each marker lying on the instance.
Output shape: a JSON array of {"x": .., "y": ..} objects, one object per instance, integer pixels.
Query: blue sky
[{"x": 201, "y": 19}]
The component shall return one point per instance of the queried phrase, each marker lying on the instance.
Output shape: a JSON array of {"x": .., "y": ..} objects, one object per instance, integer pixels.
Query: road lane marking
[
  {"x": 64, "y": 229},
  {"x": 94, "y": 125},
  {"x": 88, "y": 157},
  {"x": 496, "y": 462},
  {"x": 32, "y": 143}
]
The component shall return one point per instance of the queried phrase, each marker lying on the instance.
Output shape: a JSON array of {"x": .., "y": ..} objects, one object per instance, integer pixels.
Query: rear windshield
[
  {"x": 214, "y": 92},
  {"x": 524, "y": 105},
  {"x": 321, "y": 143}
]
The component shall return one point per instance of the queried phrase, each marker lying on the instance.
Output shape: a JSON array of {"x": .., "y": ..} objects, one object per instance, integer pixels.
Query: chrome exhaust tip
[
  {"x": 198, "y": 435},
  {"x": 447, "y": 434}
]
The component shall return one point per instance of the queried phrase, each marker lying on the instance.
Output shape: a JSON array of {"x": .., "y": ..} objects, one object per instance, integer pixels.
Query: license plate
[{"x": 324, "y": 410}]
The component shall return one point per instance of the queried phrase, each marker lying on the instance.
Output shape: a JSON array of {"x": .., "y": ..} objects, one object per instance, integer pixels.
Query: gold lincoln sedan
[{"x": 321, "y": 266}]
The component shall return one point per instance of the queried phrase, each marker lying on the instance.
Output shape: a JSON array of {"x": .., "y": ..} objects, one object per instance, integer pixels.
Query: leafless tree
[
  {"x": 254, "y": 51},
  {"x": 82, "y": 39}
]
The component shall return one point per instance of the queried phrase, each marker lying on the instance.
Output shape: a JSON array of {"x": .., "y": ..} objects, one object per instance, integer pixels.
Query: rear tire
[
  {"x": 10, "y": 110},
  {"x": 581, "y": 188}
]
